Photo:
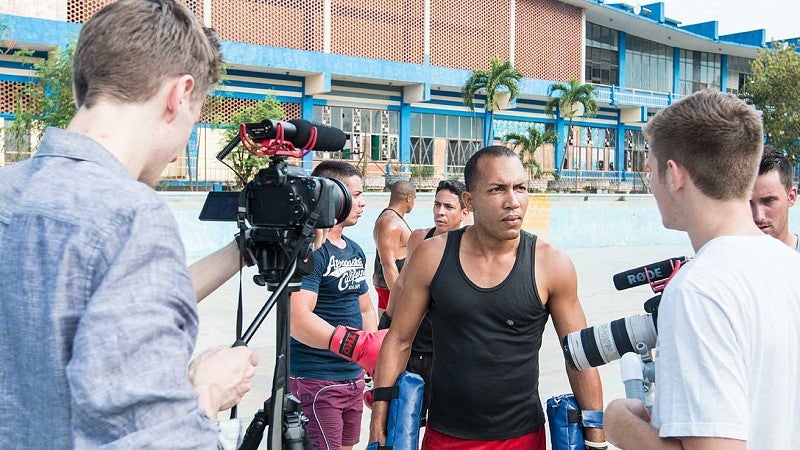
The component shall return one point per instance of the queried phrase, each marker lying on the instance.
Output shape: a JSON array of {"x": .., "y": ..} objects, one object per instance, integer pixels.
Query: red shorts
[
  {"x": 383, "y": 297},
  {"x": 435, "y": 440}
]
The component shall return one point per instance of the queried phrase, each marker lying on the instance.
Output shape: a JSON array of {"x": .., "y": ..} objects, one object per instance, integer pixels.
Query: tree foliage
[
  {"x": 569, "y": 96},
  {"x": 527, "y": 145},
  {"x": 45, "y": 102},
  {"x": 246, "y": 164},
  {"x": 774, "y": 88},
  {"x": 572, "y": 99},
  {"x": 501, "y": 77}
]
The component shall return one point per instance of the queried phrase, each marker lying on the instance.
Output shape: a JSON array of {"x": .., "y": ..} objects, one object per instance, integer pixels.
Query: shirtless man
[{"x": 391, "y": 235}]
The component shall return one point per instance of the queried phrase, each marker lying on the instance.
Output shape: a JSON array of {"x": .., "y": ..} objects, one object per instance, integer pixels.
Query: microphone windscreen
[
  {"x": 329, "y": 139},
  {"x": 643, "y": 275}
]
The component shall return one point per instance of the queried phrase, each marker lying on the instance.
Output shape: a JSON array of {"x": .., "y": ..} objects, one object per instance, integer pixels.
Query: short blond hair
[
  {"x": 129, "y": 48},
  {"x": 717, "y": 137}
]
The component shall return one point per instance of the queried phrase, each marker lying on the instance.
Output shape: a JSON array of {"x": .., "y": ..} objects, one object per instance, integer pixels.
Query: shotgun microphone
[
  {"x": 657, "y": 271},
  {"x": 296, "y": 131}
]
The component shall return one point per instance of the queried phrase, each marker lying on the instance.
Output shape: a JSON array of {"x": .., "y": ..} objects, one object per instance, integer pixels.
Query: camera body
[{"x": 281, "y": 196}]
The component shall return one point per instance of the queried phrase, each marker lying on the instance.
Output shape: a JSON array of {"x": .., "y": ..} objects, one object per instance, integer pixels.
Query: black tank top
[
  {"x": 423, "y": 341},
  {"x": 485, "y": 382},
  {"x": 378, "y": 280}
]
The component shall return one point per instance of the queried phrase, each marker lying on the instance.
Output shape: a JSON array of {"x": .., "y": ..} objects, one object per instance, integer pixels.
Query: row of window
[
  {"x": 459, "y": 137},
  {"x": 649, "y": 65}
]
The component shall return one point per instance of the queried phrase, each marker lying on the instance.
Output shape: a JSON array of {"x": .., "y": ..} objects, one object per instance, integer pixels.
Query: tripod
[
  {"x": 277, "y": 255},
  {"x": 639, "y": 375},
  {"x": 638, "y": 368}
]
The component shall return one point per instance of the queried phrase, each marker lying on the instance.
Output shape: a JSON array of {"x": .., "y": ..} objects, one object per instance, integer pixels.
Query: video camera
[
  {"x": 282, "y": 205},
  {"x": 278, "y": 212},
  {"x": 601, "y": 344}
]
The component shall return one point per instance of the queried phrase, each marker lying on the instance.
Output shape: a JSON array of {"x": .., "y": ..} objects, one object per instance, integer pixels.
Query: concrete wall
[{"x": 567, "y": 221}]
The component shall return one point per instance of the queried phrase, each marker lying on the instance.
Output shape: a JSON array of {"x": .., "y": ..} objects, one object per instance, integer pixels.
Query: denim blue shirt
[{"x": 97, "y": 311}]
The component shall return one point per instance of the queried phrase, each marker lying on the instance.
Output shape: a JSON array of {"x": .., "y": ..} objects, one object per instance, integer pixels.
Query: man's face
[
  {"x": 356, "y": 187},
  {"x": 499, "y": 198},
  {"x": 770, "y": 204},
  {"x": 447, "y": 211}
]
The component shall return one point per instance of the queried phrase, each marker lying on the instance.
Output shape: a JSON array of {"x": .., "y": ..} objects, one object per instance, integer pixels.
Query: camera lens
[
  {"x": 340, "y": 198},
  {"x": 601, "y": 344}
]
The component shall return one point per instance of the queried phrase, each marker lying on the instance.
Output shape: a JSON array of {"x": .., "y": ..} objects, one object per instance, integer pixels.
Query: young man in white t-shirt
[{"x": 728, "y": 359}]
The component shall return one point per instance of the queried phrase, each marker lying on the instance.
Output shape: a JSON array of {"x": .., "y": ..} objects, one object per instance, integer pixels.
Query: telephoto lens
[{"x": 601, "y": 344}]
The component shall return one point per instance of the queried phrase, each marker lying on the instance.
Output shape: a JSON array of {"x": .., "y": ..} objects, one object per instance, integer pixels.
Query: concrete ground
[{"x": 601, "y": 302}]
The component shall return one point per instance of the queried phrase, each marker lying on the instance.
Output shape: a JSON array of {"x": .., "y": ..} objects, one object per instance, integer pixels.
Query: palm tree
[
  {"x": 574, "y": 99},
  {"x": 528, "y": 144},
  {"x": 502, "y": 77}
]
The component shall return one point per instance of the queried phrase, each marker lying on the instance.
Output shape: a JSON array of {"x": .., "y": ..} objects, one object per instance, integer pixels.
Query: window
[
  {"x": 368, "y": 130},
  {"x": 648, "y": 65},
  {"x": 595, "y": 148},
  {"x": 422, "y": 151},
  {"x": 463, "y": 136},
  {"x": 699, "y": 70},
  {"x": 635, "y": 151},
  {"x": 458, "y": 152},
  {"x": 738, "y": 71},
  {"x": 602, "y": 55}
]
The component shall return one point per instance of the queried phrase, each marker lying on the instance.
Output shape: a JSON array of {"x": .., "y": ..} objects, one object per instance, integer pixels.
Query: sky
[{"x": 781, "y": 18}]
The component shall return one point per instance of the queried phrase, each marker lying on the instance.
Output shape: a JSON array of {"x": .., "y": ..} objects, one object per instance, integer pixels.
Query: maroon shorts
[
  {"x": 383, "y": 297},
  {"x": 333, "y": 409},
  {"x": 437, "y": 441}
]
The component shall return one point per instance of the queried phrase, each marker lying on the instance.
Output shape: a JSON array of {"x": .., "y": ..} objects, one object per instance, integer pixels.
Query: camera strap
[
  {"x": 313, "y": 217},
  {"x": 240, "y": 221}
]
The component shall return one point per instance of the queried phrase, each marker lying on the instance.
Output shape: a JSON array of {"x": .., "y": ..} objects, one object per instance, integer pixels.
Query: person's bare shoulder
[
  {"x": 388, "y": 221},
  {"x": 419, "y": 233},
  {"x": 547, "y": 254},
  {"x": 553, "y": 269},
  {"x": 428, "y": 254}
]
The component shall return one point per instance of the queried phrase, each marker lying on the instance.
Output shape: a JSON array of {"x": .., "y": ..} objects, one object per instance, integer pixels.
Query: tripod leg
[
  {"x": 294, "y": 425},
  {"x": 255, "y": 431}
]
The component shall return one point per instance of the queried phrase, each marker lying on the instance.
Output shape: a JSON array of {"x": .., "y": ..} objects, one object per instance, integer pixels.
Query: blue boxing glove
[{"x": 405, "y": 408}]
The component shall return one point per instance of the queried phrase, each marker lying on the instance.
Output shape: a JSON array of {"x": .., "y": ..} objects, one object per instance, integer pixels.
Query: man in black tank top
[
  {"x": 489, "y": 289},
  {"x": 449, "y": 212},
  {"x": 391, "y": 233}
]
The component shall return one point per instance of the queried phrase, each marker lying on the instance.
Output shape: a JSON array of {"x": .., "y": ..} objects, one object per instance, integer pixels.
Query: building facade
[{"x": 389, "y": 73}]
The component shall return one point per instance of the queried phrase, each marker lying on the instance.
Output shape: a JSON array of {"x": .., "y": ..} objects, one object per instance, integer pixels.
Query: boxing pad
[
  {"x": 405, "y": 408},
  {"x": 566, "y": 422},
  {"x": 361, "y": 347}
]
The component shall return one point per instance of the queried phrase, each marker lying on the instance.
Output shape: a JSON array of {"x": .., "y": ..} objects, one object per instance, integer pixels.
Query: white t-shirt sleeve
[{"x": 701, "y": 379}]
